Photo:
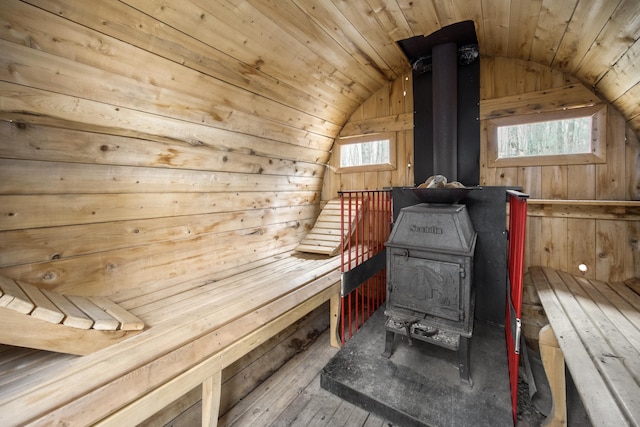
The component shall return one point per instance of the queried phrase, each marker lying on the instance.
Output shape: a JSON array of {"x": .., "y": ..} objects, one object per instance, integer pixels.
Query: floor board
[{"x": 292, "y": 397}]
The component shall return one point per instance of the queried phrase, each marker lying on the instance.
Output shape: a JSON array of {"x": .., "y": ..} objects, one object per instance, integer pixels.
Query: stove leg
[
  {"x": 388, "y": 344},
  {"x": 464, "y": 361}
]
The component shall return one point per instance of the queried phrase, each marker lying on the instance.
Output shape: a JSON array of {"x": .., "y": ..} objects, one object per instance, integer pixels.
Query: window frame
[
  {"x": 598, "y": 114},
  {"x": 390, "y": 166}
]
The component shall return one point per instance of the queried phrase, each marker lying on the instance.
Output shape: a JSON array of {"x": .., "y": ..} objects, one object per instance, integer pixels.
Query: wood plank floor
[{"x": 292, "y": 397}]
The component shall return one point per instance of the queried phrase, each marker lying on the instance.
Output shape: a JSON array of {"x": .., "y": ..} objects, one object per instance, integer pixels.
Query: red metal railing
[
  {"x": 366, "y": 223},
  {"x": 517, "y": 229}
]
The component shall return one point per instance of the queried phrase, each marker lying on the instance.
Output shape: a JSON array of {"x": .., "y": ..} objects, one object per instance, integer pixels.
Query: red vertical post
[
  {"x": 342, "y": 268},
  {"x": 342, "y": 338},
  {"x": 358, "y": 236},
  {"x": 517, "y": 231},
  {"x": 353, "y": 257},
  {"x": 373, "y": 208},
  {"x": 366, "y": 242}
]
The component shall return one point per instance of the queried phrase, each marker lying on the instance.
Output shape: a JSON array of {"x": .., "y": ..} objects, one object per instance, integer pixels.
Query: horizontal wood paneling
[
  {"x": 133, "y": 154},
  {"x": 395, "y": 123},
  {"x": 24, "y": 176},
  {"x": 119, "y": 120},
  {"x": 161, "y": 264},
  {"x": 187, "y": 41},
  {"x": 145, "y": 143},
  {"x": 36, "y": 245},
  {"x": 28, "y": 141},
  {"x": 177, "y": 95},
  {"x": 131, "y": 111},
  {"x": 33, "y": 211}
]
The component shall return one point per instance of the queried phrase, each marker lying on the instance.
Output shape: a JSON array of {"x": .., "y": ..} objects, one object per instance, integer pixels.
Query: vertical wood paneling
[
  {"x": 581, "y": 250},
  {"x": 504, "y": 176},
  {"x": 552, "y": 240},
  {"x": 134, "y": 103},
  {"x": 554, "y": 182},
  {"x": 401, "y": 101},
  {"x": 533, "y": 241},
  {"x": 138, "y": 138},
  {"x": 632, "y": 253},
  {"x": 484, "y": 170},
  {"x": 632, "y": 165},
  {"x": 581, "y": 182},
  {"x": 611, "y": 177},
  {"x": 394, "y": 98},
  {"x": 611, "y": 245},
  {"x": 531, "y": 179}
]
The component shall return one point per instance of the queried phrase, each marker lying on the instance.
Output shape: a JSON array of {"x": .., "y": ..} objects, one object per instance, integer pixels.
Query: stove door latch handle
[{"x": 407, "y": 328}]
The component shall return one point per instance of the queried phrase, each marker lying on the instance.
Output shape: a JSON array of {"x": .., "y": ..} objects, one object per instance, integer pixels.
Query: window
[
  {"x": 574, "y": 136},
  {"x": 367, "y": 153}
]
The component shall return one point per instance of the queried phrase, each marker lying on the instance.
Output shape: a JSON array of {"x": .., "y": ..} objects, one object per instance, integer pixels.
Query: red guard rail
[
  {"x": 366, "y": 223},
  {"x": 517, "y": 229}
]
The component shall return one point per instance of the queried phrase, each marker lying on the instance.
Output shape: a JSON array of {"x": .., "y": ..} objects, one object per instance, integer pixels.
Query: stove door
[{"x": 426, "y": 286}]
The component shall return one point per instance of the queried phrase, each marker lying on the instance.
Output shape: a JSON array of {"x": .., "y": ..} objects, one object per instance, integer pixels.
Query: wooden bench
[
  {"x": 193, "y": 331},
  {"x": 594, "y": 327}
]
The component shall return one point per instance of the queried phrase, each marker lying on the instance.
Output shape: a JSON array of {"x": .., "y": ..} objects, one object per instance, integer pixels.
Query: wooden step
[{"x": 325, "y": 237}]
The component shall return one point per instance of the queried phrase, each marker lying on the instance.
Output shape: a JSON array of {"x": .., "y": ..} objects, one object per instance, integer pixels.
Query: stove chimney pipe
[{"x": 445, "y": 110}]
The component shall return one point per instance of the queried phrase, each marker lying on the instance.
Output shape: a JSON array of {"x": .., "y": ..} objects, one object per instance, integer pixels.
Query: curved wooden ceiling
[
  {"x": 334, "y": 54},
  {"x": 307, "y": 65}
]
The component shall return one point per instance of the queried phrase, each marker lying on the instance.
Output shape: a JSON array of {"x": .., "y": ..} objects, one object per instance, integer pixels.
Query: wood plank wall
[
  {"x": 605, "y": 238},
  {"x": 130, "y": 156},
  {"x": 564, "y": 236},
  {"x": 390, "y": 109},
  {"x": 607, "y": 246},
  {"x": 138, "y": 139}
]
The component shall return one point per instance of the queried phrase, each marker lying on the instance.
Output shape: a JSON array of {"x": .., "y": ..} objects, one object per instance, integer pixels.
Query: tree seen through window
[
  {"x": 365, "y": 153},
  {"x": 568, "y": 136}
]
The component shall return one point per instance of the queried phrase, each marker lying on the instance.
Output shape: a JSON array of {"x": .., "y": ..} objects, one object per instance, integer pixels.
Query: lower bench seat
[
  {"x": 594, "y": 326},
  {"x": 193, "y": 331}
]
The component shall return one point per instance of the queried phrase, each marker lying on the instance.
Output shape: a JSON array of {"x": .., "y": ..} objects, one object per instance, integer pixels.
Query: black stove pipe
[{"x": 445, "y": 110}]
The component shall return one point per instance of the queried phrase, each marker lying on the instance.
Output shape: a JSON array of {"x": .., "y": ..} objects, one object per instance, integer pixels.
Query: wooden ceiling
[
  {"x": 316, "y": 61},
  {"x": 334, "y": 54}
]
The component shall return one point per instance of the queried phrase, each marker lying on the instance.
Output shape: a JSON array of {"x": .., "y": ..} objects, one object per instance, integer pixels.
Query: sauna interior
[{"x": 151, "y": 150}]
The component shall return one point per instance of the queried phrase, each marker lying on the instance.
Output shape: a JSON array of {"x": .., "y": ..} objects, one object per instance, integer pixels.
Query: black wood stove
[{"x": 430, "y": 293}]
